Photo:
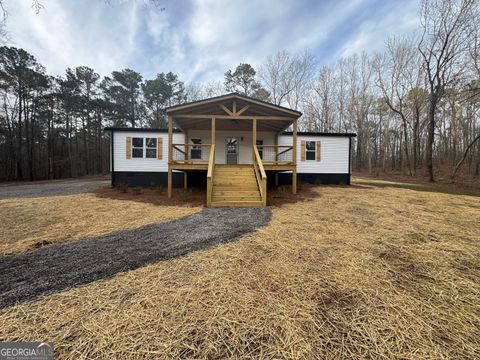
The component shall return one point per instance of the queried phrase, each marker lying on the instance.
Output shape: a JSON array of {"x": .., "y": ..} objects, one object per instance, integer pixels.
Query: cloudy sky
[{"x": 200, "y": 39}]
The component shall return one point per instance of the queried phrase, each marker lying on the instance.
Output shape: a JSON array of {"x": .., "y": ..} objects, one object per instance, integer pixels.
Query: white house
[{"x": 233, "y": 145}]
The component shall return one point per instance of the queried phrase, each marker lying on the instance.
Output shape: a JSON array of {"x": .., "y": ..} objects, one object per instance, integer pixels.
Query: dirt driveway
[{"x": 51, "y": 188}]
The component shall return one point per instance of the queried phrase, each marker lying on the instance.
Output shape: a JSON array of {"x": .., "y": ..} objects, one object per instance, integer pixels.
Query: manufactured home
[{"x": 233, "y": 145}]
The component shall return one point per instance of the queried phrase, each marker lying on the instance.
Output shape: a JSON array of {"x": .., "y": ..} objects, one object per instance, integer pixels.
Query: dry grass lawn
[
  {"x": 359, "y": 272},
  {"x": 31, "y": 223}
]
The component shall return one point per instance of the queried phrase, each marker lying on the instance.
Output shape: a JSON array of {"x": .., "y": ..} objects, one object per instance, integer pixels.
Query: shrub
[
  {"x": 159, "y": 189},
  {"x": 299, "y": 186},
  {"x": 137, "y": 190},
  {"x": 123, "y": 188},
  {"x": 185, "y": 195}
]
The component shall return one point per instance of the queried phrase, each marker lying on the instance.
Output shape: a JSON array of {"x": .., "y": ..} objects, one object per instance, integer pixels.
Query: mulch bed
[
  {"x": 197, "y": 196},
  {"x": 59, "y": 267}
]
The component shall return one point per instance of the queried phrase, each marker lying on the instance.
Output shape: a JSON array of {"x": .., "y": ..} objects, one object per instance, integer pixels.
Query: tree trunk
[{"x": 430, "y": 139}]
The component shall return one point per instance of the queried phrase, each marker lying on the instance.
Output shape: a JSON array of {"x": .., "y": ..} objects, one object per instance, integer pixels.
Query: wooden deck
[{"x": 233, "y": 185}]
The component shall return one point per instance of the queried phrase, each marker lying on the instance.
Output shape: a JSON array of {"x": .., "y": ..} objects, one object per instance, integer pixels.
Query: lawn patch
[{"x": 30, "y": 223}]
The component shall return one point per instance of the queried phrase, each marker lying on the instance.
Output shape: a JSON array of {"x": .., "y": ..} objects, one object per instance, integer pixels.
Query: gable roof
[{"x": 242, "y": 99}]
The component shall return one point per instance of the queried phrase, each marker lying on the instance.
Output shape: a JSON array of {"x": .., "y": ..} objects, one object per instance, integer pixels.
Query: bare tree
[
  {"x": 287, "y": 77},
  {"x": 398, "y": 76},
  {"x": 446, "y": 26}
]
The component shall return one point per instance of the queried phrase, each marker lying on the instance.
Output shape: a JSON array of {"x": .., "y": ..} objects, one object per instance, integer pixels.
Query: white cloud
[
  {"x": 67, "y": 34},
  {"x": 373, "y": 33},
  {"x": 199, "y": 40}
]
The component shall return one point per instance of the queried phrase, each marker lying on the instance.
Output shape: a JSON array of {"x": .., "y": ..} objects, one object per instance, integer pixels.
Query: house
[{"x": 233, "y": 145}]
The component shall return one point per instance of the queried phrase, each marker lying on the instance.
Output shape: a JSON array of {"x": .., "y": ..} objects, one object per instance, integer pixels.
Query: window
[
  {"x": 196, "y": 151},
  {"x": 137, "y": 147},
  {"x": 260, "y": 148},
  {"x": 310, "y": 150},
  {"x": 151, "y": 149}
]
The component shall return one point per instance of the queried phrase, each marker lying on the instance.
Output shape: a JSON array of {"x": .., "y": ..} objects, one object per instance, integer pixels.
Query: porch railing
[
  {"x": 210, "y": 172},
  {"x": 260, "y": 175},
  {"x": 191, "y": 153},
  {"x": 276, "y": 154}
]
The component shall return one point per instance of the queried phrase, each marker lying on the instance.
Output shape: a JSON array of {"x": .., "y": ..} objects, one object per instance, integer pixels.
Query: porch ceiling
[{"x": 232, "y": 124}]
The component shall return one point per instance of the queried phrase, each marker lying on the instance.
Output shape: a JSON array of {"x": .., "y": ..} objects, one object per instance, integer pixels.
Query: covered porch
[{"x": 236, "y": 132}]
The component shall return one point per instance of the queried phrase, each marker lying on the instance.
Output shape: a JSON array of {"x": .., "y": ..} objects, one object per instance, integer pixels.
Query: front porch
[{"x": 235, "y": 139}]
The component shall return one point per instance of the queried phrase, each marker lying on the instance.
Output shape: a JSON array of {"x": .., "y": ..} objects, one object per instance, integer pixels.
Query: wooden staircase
[{"x": 235, "y": 186}]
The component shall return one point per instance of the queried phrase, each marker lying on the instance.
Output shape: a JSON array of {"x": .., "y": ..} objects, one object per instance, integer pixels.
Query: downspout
[
  {"x": 349, "y": 158},
  {"x": 112, "y": 169}
]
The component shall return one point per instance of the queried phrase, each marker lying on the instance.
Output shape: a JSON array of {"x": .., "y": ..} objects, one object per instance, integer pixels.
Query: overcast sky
[{"x": 200, "y": 39}]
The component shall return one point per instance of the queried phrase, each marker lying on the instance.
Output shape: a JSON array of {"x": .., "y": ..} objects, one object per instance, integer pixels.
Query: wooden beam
[
  {"x": 226, "y": 110},
  {"x": 170, "y": 155},
  {"x": 212, "y": 141},
  {"x": 242, "y": 110},
  {"x": 234, "y": 107},
  {"x": 189, "y": 166},
  {"x": 209, "y": 116}
]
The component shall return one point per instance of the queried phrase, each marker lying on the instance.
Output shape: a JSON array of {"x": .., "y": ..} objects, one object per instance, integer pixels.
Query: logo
[{"x": 26, "y": 351}]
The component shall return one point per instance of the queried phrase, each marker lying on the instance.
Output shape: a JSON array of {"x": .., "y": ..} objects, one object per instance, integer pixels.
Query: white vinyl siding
[
  {"x": 121, "y": 163},
  {"x": 334, "y": 154},
  {"x": 245, "y": 145},
  {"x": 334, "y": 150}
]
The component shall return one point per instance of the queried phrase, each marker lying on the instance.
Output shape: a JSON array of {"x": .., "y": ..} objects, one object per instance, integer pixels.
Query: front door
[{"x": 231, "y": 146}]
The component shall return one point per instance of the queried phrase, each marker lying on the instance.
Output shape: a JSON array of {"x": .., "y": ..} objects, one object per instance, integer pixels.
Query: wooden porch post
[
  {"x": 212, "y": 141},
  {"x": 294, "y": 155},
  {"x": 170, "y": 155},
  {"x": 254, "y": 137}
]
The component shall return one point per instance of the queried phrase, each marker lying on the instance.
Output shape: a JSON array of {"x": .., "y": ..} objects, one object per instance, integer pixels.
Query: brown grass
[
  {"x": 31, "y": 223},
  {"x": 354, "y": 273}
]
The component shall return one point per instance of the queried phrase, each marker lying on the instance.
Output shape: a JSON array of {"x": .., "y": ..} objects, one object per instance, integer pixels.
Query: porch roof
[{"x": 232, "y": 112}]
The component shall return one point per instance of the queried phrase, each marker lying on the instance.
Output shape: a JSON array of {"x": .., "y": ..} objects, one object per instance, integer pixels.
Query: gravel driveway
[
  {"x": 50, "y": 188},
  {"x": 59, "y": 267}
]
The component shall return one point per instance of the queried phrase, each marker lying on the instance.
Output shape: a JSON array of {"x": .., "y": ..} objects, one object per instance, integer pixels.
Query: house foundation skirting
[
  {"x": 198, "y": 178},
  {"x": 324, "y": 179},
  {"x": 146, "y": 179}
]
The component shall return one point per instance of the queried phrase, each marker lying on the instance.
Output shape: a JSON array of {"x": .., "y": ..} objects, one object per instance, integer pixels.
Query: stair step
[
  {"x": 235, "y": 186},
  {"x": 236, "y": 190},
  {"x": 237, "y": 204},
  {"x": 237, "y": 198},
  {"x": 236, "y": 174},
  {"x": 231, "y": 192},
  {"x": 230, "y": 181}
]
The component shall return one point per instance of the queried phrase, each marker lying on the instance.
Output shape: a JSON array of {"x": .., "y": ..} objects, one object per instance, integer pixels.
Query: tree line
[{"x": 415, "y": 105}]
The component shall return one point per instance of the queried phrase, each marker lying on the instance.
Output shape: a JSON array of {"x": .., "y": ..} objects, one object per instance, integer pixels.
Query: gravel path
[
  {"x": 59, "y": 267},
  {"x": 50, "y": 188}
]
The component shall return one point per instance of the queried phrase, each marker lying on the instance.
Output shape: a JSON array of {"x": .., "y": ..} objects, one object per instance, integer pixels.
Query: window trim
[
  {"x": 311, "y": 151},
  {"x": 151, "y": 148},
  {"x": 138, "y": 147}
]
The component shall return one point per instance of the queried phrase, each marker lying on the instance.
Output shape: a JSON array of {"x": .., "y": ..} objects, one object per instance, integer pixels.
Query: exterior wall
[
  {"x": 335, "y": 155},
  {"x": 121, "y": 163},
  {"x": 333, "y": 168},
  {"x": 245, "y": 145}
]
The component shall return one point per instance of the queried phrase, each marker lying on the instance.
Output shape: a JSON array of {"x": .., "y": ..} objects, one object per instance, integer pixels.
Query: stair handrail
[
  {"x": 210, "y": 172},
  {"x": 260, "y": 175}
]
